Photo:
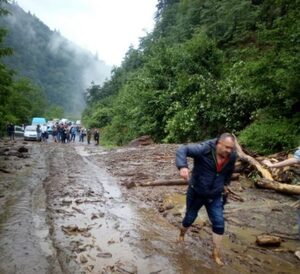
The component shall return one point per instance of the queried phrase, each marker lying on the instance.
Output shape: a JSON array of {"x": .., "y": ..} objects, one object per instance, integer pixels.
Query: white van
[{"x": 38, "y": 121}]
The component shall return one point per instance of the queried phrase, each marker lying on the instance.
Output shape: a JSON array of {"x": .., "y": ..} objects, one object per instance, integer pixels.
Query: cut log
[
  {"x": 264, "y": 172},
  {"x": 279, "y": 187},
  {"x": 169, "y": 182},
  {"x": 268, "y": 240}
]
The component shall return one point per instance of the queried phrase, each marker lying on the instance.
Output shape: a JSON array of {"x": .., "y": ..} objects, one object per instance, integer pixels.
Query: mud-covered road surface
[{"x": 65, "y": 208}]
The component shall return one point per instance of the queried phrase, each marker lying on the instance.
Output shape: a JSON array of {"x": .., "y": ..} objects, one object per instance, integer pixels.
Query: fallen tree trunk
[
  {"x": 169, "y": 182},
  {"x": 279, "y": 187},
  {"x": 264, "y": 172},
  {"x": 176, "y": 182}
]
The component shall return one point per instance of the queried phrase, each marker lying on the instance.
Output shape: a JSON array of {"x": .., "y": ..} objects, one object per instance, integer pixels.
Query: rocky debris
[
  {"x": 141, "y": 141},
  {"x": 104, "y": 255},
  {"x": 4, "y": 170},
  {"x": 78, "y": 210},
  {"x": 65, "y": 202},
  {"x": 83, "y": 259},
  {"x": 130, "y": 184},
  {"x": 120, "y": 268},
  {"x": 89, "y": 268},
  {"x": 97, "y": 215},
  {"x": 22, "y": 149},
  {"x": 268, "y": 240},
  {"x": 12, "y": 150},
  {"x": 81, "y": 201},
  {"x": 74, "y": 229}
]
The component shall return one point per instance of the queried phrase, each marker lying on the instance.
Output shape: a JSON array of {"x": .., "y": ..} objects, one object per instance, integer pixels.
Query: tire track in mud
[
  {"x": 24, "y": 240},
  {"x": 94, "y": 229}
]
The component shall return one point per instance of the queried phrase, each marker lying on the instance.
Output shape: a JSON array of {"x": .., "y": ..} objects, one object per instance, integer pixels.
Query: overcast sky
[{"x": 105, "y": 27}]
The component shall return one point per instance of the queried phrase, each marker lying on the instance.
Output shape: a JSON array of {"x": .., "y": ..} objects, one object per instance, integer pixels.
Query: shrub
[{"x": 270, "y": 136}]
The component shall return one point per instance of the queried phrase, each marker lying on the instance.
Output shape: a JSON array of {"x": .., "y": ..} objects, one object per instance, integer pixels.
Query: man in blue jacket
[{"x": 213, "y": 166}]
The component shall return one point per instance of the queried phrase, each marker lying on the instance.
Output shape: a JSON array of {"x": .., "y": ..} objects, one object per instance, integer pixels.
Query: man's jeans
[{"x": 214, "y": 208}]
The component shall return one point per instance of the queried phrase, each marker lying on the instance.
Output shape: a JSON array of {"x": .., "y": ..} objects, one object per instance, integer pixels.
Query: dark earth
[{"x": 78, "y": 208}]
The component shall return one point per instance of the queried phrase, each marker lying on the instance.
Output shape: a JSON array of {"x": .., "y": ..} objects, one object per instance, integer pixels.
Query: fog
[{"x": 70, "y": 69}]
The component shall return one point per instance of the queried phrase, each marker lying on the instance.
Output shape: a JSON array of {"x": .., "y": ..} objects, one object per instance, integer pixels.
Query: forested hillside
[
  {"x": 209, "y": 66},
  {"x": 20, "y": 99},
  {"x": 58, "y": 66}
]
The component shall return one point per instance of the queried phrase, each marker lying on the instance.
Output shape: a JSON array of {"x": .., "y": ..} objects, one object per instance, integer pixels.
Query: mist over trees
[
  {"x": 20, "y": 99},
  {"x": 61, "y": 69},
  {"x": 208, "y": 66}
]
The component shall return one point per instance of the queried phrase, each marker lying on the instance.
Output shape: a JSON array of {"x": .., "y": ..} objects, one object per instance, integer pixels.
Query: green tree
[{"x": 209, "y": 66}]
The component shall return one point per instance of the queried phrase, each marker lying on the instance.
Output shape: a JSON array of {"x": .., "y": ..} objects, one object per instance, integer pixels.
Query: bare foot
[
  {"x": 217, "y": 258},
  {"x": 181, "y": 238},
  {"x": 181, "y": 234}
]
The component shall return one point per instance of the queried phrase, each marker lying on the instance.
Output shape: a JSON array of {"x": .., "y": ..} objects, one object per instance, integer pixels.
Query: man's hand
[
  {"x": 184, "y": 173},
  {"x": 267, "y": 163}
]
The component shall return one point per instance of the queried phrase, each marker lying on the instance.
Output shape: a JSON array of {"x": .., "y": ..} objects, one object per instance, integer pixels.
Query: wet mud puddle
[
  {"x": 95, "y": 230},
  {"x": 25, "y": 245}
]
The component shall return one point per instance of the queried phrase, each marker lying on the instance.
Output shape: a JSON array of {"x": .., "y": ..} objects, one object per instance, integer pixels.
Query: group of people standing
[{"x": 65, "y": 133}]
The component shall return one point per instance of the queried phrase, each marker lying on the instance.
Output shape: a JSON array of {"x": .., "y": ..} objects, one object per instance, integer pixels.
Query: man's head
[{"x": 225, "y": 145}]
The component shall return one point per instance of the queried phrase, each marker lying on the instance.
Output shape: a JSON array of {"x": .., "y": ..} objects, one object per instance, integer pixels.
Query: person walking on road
[
  {"x": 38, "y": 132},
  {"x": 96, "y": 137},
  {"x": 73, "y": 132},
  {"x": 89, "y": 135},
  {"x": 214, "y": 162},
  {"x": 11, "y": 131}
]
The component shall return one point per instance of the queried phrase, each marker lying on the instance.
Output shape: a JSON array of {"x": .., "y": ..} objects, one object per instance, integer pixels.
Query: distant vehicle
[
  {"x": 19, "y": 132},
  {"x": 50, "y": 127},
  {"x": 30, "y": 133},
  {"x": 63, "y": 121},
  {"x": 38, "y": 121},
  {"x": 78, "y": 122}
]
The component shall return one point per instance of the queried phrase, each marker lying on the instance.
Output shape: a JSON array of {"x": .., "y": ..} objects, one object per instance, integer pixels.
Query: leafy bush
[{"x": 270, "y": 136}]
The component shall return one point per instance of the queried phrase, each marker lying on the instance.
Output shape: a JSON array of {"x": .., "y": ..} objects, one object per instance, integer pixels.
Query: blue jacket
[{"x": 205, "y": 179}]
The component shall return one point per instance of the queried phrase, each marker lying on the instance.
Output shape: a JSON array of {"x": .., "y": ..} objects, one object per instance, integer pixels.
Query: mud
[{"x": 65, "y": 208}]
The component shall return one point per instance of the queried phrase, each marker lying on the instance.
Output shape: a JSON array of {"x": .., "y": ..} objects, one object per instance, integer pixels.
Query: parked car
[
  {"x": 30, "y": 133},
  {"x": 19, "y": 132}
]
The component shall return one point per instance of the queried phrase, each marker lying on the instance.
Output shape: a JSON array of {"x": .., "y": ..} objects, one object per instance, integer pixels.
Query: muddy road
[{"x": 65, "y": 208}]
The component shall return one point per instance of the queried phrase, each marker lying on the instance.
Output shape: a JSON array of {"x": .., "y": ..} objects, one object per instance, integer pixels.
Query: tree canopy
[{"x": 207, "y": 67}]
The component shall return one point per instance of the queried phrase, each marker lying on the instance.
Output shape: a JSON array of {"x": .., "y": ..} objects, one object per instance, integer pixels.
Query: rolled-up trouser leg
[
  {"x": 193, "y": 205},
  {"x": 214, "y": 208}
]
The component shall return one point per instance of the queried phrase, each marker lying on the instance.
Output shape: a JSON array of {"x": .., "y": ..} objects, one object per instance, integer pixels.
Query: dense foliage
[
  {"x": 19, "y": 99},
  {"x": 59, "y": 67},
  {"x": 208, "y": 66}
]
